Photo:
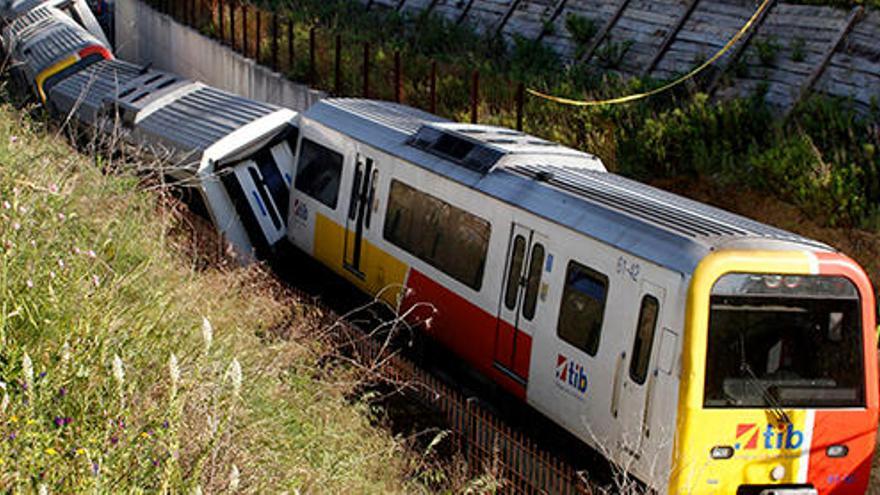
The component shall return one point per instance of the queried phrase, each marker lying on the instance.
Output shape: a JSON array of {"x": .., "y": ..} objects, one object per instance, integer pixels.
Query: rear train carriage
[
  {"x": 78, "y": 10},
  {"x": 708, "y": 352},
  {"x": 45, "y": 46},
  {"x": 236, "y": 153}
]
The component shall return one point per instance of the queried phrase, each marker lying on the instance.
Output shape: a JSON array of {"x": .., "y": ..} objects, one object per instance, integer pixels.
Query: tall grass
[{"x": 125, "y": 367}]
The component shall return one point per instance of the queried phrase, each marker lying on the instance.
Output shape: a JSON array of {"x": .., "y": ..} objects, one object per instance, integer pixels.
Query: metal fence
[
  {"x": 486, "y": 441},
  {"x": 315, "y": 56}
]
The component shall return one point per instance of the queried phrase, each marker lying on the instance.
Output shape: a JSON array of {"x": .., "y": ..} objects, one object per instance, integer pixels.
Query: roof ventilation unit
[{"x": 456, "y": 147}]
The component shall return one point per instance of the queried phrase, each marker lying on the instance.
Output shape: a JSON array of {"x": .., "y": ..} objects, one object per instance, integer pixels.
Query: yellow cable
[{"x": 639, "y": 96}]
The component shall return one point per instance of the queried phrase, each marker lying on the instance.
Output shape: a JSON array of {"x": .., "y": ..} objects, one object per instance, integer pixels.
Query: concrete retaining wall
[{"x": 144, "y": 35}]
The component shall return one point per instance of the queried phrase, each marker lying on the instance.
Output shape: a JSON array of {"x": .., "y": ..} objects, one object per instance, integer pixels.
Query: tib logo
[
  {"x": 771, "y": 438},
  {"x": 571, "y": 374}
]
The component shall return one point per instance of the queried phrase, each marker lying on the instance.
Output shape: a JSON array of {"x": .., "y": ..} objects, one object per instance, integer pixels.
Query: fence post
[
  {"x": 366, "y": 67},
  {"x": 433, "y": 86},
  {"x": 520, "y": 103},
  {"x": 232, "y": 24},
  {"x": 258, "y": 35},
  {"x": 475, "y": 94},
  {"x": 289, "y": 44},
  {"x": 398, "y": 78},
  {"x": 337, "y": 67},
  {"x": 313, "y": 70},
  {"x": 221, "y": 14},
  {"x": 275, "y": 41},
  {"x": 244, "y": 29}
]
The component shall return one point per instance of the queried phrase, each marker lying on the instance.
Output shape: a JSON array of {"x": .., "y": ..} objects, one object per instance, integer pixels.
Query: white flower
[
  {"x": 5, "y": 402},
  {"x": 234, "y": 478},
  {"x": 43, "y": 490},
  {"x": 60, "y": 263},
  {"x": 234, "y": 375},
  {"x": 207, "y": 333},
  {"x": 91, "y": 254},
  {"x": 27, "y": 368},
  {"x": 62, "y": 216},
  {"x": 96, "y": 280},
  {"x": 174, "y": 373},
  {"x": 197, "y": 490},
  {"x": 7, "y": 205},
  {"x": 65, "y": 352},
  {"x": 118, "y": 370},
  {"x": 16, "y": 226},
  {"x": 29, "y": 283}
]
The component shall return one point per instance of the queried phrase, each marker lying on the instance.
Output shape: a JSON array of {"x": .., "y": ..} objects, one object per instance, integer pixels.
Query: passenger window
[
  {"x": 448, "y": 238},
  {"x": 583, "y": 307},
  {"x": 533, "y": 281},
  {"x": 318, "y": 172},
  {"x": 641, "y": 354},
  {"x": 514, "y": 272}
]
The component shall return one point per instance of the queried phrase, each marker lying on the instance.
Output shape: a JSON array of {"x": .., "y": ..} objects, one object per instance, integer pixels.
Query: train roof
[
  {"x": 44, "y": 36},
  {"x": 79, "y": 10},
  {"x": 565, "y": 186},
  {"x": 85, "y": 93}
]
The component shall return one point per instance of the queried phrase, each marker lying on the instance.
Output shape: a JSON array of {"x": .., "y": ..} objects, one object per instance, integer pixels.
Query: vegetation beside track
[{"x": 112, "y": 382}]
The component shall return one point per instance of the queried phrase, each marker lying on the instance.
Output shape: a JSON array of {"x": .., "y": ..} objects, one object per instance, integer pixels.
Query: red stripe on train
[
  {"x": 466, "y": 329},
  {"x": 853, "y": 428}
]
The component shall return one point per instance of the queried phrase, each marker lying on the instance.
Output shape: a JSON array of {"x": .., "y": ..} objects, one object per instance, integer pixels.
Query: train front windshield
[{"x": 783, "y": 341}]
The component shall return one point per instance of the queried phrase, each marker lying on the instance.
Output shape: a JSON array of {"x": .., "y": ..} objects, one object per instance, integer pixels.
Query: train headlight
[
  {"x": 721, "y": 452},
  {"x": 837, "y": 451},
  {"x": 791, "y": 282},
  {"x": 773, "y": 281}
]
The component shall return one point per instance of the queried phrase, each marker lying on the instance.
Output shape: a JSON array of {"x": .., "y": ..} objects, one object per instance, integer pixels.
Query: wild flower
[
  {"x": 118, "y": 370},
  {"x": 60, "y": 263},
  {"x": 7, "y": 205},
  {"x": 51, "y": 451},
  {"x": 96, "y": 280},
  {"x": 234, "y": 478},
  {"x": 197, "y": 490},
  {"x": 27, "y": 369},
  {"x": 62, "y": 216},
  {"x": 29, "y": 283},
  {"x": 16, "y": 226},
  {"x": 174, "y": 374},
  {"x": 43, "y": 490},
  {"x": 95, "y": 468},
  {"x": 4, "y": 403},
  {"x": 91, "y": 254},
  {"x": 234, "y": 375},
  {"x": 65, "y": 352},
  {"x": 13, "y": 139},
  {"x": 207, "y": 333}
]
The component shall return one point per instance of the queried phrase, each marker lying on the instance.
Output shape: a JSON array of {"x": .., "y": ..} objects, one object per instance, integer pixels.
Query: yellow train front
[{"x": 701, "y": 352}]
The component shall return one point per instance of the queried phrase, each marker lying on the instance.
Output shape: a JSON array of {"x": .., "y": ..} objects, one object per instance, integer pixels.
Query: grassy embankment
[{"x": 112, "y": 382}]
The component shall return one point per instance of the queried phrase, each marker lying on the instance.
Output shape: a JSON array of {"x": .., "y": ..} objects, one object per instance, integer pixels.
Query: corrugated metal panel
[
  {"x": 201, "y": 118},
  {"x": 659, "y": 226},
  {"x": 53, "y": 38},
  {"x": 86, "y": 92}
]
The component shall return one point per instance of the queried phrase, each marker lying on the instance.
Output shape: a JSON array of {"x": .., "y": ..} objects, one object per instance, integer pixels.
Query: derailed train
[{"x": 707, "y": 352}]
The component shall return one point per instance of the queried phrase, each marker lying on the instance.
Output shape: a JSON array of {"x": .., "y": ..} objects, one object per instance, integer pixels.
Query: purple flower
[
  {"x": 12, "y": 436},
  {"x": 95, "y": 468},
  {"x": 42, "y": 374},
  {"x": 114, "y": 440},
  {"x": 62, "y": 392},
  {"x": 165, "y": 424},
  {"x": 59, "y": 421}
]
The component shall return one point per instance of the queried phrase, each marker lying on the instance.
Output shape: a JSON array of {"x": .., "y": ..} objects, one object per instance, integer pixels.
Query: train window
[
  {"x": 514, "y": 271},
  {"x": 778, "y": 341},
  {"x": 644, "y": 340},
  {"x": 448, "y": 238},
  {"x": 583, "y": 307},
  {"x": 318, "y": 172},
  {"x": 536, "y": 264}
]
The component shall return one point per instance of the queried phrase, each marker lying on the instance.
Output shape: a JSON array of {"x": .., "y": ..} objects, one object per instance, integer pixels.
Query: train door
[
  {"x": 526, "y": 254},
  {"x": 635, "y": 375},
  {"x": 360, "y": 208},
  {"x": 260, "y": 188}
]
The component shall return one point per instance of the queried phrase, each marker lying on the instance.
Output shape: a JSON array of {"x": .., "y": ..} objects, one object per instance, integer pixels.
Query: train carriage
[
  {"x": 45, "y": 46},
  {"x": 237, "y": 153},
  {"x": 78, "y": 10},
  {"x": 708, "y": 352}
]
